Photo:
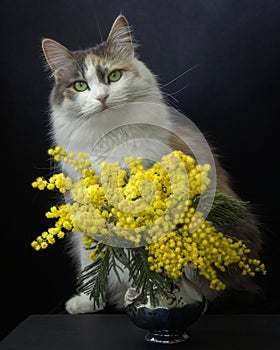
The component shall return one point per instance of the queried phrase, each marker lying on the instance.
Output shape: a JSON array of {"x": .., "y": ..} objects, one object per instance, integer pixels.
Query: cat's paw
[{"x": 81, "y": 304}]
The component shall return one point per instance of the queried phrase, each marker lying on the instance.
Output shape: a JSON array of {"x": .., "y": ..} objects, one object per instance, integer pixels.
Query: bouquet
[{"x": 147, "y": 220}]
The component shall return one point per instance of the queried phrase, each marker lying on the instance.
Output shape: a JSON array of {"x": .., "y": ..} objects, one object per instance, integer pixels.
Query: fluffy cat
[{"x": 93, "y": 90}]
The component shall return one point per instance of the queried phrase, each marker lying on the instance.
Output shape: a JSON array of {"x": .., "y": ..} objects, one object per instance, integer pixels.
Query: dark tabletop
[{"x": 116, "y": 332}]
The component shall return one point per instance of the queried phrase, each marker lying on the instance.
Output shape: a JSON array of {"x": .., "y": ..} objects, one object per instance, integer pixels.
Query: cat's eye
[
  {"x": 115, "y": 76},
  {"x": 80, "y": 86}
]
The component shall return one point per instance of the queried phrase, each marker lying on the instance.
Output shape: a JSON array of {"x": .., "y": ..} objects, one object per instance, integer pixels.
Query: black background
[{"x": 232, "y": 94}]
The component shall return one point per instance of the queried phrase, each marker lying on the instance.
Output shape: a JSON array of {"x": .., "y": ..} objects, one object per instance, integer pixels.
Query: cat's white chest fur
[{"x": 138, "y": 129}]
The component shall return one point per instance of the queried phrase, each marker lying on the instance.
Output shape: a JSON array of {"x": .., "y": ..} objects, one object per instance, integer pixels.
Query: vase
[{"x": 168, "y": 320}]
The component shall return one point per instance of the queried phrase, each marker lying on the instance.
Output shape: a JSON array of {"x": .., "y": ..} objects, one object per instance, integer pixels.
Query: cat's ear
[
  {"x": 120, "y": 37},
  {"x": 57, "y": 56}
]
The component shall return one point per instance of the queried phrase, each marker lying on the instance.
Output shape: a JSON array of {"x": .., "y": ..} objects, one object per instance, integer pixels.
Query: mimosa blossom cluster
[{"x": 152, "y": 207}]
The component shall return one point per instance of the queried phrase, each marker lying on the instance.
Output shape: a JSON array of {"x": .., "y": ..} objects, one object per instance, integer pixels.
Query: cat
[{"x": 108, "y": 81}]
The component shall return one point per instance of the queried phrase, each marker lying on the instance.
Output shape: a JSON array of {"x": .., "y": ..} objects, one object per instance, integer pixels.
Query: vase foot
[{"x": 166, "y": 337}]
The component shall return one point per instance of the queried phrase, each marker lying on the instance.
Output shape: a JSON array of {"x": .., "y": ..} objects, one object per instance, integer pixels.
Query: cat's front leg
[{"x": 81, "y": 304}]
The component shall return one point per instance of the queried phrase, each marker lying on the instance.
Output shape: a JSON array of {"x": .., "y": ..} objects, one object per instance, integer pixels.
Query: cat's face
[{"x": 107, "y": 75}]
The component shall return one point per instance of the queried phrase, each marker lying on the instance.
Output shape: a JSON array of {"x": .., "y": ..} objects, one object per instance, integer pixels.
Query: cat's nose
[{"x": 102, "y": 98}]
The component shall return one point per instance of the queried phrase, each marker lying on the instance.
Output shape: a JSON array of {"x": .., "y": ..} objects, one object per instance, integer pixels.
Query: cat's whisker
[
  {"x": 171, "y": 95},
  {"x": 180, "y": 75},
  {"x": 89, "y": 109},
  {"x": 99, "y": 30},
  {"x": 177, "y": 91}
]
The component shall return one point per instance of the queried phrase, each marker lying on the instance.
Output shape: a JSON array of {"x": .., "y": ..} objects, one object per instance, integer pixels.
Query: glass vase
[{"x": 168, "y": 320}]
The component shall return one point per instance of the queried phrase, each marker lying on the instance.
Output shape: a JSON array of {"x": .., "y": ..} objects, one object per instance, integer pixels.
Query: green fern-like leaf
[
  {"x": 93, "y": 279},
  {"x": 143, "y": 279},
  {"x": 225, "y": 209}
]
